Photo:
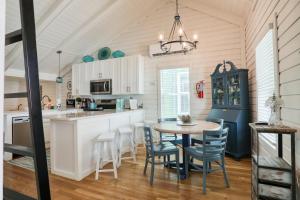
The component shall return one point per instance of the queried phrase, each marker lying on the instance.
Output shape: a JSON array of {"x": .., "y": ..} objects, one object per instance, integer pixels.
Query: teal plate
[
  {"x": 87, "y": 59},
  {"x": 118, "y": 54},
  {"x": 104, "y": 53}
]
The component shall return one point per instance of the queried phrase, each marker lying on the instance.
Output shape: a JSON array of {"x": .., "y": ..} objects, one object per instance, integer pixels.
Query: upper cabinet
[
  {"x": 81, "y": 79},
  {"x": 127, "y": 75},
  {"x": 102, "y": 69}
]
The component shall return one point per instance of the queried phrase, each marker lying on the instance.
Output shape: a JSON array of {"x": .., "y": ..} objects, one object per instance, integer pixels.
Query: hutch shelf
[
  {"x": 230, "y": 101},
  {"x": 272, "y": 177}
]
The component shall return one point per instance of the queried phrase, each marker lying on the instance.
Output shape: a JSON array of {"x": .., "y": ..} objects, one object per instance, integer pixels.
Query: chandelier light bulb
[
  {"x": 180, "y": 32},
  {"x": 161, "y": 37},
  {"x": 195, "y": 37}
]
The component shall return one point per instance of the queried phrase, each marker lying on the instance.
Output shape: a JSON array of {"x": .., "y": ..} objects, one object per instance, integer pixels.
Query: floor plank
[{"x": 133, "y": 185}]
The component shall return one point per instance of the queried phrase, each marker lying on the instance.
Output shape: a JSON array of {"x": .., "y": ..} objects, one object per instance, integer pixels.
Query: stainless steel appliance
[
  {"x": 70, "y": 103},
  {"x": 21, "y": 132},
  {"x": 102, "y": 86}
]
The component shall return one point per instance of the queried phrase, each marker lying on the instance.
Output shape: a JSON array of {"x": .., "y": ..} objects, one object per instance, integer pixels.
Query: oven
[{"x": 102, "y": 86}]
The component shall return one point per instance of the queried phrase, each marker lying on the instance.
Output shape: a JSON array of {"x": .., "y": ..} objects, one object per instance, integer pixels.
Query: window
[
  {"x": 265, "y": 81},
  {"x": 174, "y": 92}
]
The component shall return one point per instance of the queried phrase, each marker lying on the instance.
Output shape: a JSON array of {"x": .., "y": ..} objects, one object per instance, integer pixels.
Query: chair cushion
[
  {"x": 165, "y": 147},
  {"x": 197, "y": 152}
]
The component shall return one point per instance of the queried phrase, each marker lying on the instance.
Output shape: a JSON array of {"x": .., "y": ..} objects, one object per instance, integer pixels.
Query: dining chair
[
  {"x": 161, "y": 149},
  {"x": 198, "y": 139},
  {"x": 212, "y": 150}
]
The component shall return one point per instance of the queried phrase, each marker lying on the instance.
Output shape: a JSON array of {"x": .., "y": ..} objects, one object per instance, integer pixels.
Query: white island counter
[{"x": 72, "y": 139}]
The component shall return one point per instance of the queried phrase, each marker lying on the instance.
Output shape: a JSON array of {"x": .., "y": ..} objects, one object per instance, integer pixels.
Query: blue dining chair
[
  {"x": 199, "y": 138},
  {"x": 212, "y": 150},
  {"x": 161, "y": 149}
]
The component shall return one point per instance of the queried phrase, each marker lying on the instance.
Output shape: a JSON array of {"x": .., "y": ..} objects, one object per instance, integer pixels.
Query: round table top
[{"x": 174, "y": 128}]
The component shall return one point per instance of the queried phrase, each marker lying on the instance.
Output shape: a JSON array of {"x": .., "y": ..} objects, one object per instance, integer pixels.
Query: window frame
[
  {"x": 270, "y": 144},
  {"x": 159, "y": 68}
]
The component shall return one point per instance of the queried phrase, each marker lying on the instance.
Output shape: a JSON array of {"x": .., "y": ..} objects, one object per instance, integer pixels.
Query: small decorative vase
[{"x": 273, "y": 120}]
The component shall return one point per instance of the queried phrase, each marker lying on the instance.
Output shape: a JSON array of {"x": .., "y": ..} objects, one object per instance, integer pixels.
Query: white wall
[
  {"x": 218, "y": 40},
  {"x": 288, "y": 12},
  {"x": 19, "y": 85}
]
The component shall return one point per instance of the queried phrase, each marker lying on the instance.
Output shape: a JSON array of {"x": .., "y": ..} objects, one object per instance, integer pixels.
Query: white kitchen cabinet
[
  {"x": 102, "y": 69},
  {"x": 131, "y": 76},
  {"x": 127, "y": 75},
  {"x": 116, "y": 83},
  {"x": 81, "y": 76}
]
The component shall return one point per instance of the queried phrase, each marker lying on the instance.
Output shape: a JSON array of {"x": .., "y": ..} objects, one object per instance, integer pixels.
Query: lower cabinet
[{"x": 73, "y": 141}]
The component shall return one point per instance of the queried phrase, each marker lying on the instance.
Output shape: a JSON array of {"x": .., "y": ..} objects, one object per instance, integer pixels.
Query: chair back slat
[
  {"x": 218, "y": 121},
  {"x": 214, "y": 142},
  {"x": 148, "y": 140}
]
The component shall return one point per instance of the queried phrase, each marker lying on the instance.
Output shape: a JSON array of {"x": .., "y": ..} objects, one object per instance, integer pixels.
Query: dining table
[{"x": 196, "y": 127}]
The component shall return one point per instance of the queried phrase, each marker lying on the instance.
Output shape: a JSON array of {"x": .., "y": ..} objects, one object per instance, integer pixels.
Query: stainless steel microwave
[{"x": 102, "y": 86}]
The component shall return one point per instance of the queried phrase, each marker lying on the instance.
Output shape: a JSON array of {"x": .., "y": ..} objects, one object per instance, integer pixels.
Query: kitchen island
[{"x": 72, "y": 139}]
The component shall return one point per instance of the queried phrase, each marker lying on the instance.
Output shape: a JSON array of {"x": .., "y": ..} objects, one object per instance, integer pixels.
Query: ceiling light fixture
[
  {"x": 59, "y": 79},
  {"x": 181, "y": 39}
]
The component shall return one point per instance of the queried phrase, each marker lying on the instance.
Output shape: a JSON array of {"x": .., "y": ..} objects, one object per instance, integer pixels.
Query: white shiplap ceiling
[{"x": 79, "y": 27}]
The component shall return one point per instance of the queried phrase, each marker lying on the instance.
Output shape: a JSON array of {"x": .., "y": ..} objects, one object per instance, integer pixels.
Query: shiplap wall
[
  {"x": 218, "y": 40},
  {"x": 12, "y": 84},
  {"x": 288, "y": 25}
]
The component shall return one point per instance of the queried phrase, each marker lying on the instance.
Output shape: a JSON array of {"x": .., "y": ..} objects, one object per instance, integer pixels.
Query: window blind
[
  {"x": 174, "y": 92},
  {"x": 265, "y": 80}
]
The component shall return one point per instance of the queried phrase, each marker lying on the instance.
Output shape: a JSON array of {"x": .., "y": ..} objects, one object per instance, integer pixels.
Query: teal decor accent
[
  {"x": 104, "y": 53},
  {"x": 118, "y": 54},
  {"x": 87, "y": 58}
]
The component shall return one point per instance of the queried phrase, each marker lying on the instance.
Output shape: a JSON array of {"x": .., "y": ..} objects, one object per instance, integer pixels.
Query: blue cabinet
[{"x": 230, "y": 101}]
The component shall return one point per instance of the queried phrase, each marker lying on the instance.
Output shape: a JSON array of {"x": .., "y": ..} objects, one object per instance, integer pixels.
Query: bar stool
[
  {"x": 110, "y": 139},
  {"x": 127, "y": 132}
]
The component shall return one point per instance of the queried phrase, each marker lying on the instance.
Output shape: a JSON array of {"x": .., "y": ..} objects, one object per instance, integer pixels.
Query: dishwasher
[{"x": 21, "y": 131}]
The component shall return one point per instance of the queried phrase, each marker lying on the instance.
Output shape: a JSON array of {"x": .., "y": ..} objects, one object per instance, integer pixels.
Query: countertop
[
  {"x": 87, "y": 114},
  {"x": 44, "y": 112}
]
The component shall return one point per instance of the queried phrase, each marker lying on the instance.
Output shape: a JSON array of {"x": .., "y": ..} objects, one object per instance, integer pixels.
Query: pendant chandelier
[
  {"x": 59, "y": 79},
  {"x": 180, "y": 39}
]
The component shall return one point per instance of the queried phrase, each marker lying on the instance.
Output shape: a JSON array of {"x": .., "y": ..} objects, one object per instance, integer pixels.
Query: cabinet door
[
  {"x": 231, "y": 146},
  {"x": 124, "y": 76},
  {"x": 106, "y": 69},
  {"x": 75, "y": 79},
  {"x": 132, "y": 76},
  {"x": 84, "y": 80},
  {"x": 46, "y": 126},
  {"x": 116, "y": 76},
  {"x": 96, "y": 70}
]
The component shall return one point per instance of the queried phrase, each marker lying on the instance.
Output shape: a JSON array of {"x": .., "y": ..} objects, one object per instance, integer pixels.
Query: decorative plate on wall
[
  {"x": 88, "y": 58},
  {"x": 104, "y": 53},
  {"x": 118, "y": 54},
  {"x": 69, "y": 85}
]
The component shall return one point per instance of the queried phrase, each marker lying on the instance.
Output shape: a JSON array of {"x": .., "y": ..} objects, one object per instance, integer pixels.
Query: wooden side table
[{"x": 272, "y": 176}]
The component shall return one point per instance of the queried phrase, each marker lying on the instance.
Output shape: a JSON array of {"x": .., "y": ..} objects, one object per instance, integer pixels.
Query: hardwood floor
[{"x": 132, "y": 184}]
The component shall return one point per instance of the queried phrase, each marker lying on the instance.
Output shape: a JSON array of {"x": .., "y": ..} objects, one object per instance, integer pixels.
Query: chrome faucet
[
  {"x": 20, "y": 106},
  {"x": 42, "y": 102}
]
